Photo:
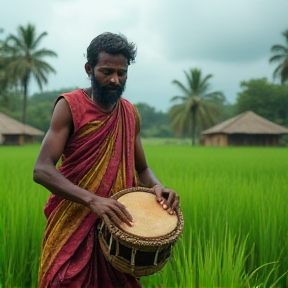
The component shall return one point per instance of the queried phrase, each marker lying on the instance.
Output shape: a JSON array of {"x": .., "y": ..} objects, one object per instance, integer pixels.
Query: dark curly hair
[{"x": 113, "y": 44}]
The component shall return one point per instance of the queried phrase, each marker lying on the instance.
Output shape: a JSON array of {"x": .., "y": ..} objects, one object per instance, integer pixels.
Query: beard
[{"x": 103, "y": 94}]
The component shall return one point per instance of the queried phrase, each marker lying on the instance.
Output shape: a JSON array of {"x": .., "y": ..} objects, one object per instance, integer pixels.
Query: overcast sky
[{"x": 230, "y": 39}]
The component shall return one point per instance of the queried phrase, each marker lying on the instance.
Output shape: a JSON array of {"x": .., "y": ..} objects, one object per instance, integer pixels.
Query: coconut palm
[
  {"x": 2, "y": 64},
  {"x": 281, "y": 57},
  {"x": 25, "y": 60},
  {"x": 196, "y": 107},
  {"x": 4, "y": 81}
]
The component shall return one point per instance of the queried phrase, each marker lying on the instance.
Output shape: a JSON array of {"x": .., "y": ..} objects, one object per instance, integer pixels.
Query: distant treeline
[
  {"x": 259, "y": 95},
  {"x": 40, "y": 106}
]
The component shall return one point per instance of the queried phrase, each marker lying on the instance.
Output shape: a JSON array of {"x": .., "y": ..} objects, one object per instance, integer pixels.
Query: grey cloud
[
  {"x": 234, "y": 31},
  {"x": 230, "y": 39}
]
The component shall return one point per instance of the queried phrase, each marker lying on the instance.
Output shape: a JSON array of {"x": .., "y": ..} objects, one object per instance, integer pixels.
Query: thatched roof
[
  {"x": 247, "y": 123},
  {"x": 10, "y": 126}
]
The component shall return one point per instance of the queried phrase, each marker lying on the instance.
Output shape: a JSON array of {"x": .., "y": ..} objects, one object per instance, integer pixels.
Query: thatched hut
[
  {"x": 246, "y": 129},
  {"x": 13, "y": 132}
]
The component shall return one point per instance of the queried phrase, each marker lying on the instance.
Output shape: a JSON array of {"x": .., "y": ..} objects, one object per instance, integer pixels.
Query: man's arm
[
  {"x": 168, "y": 198},
  {"x": 46, "y": 174}
]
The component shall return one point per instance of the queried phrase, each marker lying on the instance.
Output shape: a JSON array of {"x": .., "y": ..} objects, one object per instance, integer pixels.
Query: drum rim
[{"x": 121, "y": 235}]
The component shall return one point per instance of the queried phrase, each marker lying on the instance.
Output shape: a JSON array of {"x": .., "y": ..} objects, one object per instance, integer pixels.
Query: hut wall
[
  {"x": 28, "y": 139},
  {"x": 17, "y": 139},
  {"x": 241, "y": 140},
  {"x": 21, "y": 139},
  {"x": 12, "y": 139},
  {"x": 215, "y": 140},
  {"x": 253, "y": 140}
]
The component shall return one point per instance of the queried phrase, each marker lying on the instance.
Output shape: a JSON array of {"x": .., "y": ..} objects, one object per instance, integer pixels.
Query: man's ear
[{"x": 88, "y": 68}]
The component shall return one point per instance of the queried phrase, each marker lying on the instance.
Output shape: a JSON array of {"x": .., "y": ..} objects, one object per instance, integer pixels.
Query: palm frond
[
  {"x": 195, "y": 80},
  {"x": 42, "y": 65},
  {"x": 181, "y": 86},
  {"x": 37, "y": 41},
  {"x": 277, "y": 58},
  {"x": 281, "y": 70},
  {"x": 189, "y": 78},
  {"x": 215, "y": 96},
  {"x": 14, "y": 43},
  {"x": 279, "y": 48},
  {"x": 277, "y": 71},
  {"x": 44, "y": 53},
  {"x": 41, "y": 77},
  {"x": 181, "y": 98}
]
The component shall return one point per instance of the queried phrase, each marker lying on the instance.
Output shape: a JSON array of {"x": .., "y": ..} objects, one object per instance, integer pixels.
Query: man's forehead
[{"x": 105, "y": 57}]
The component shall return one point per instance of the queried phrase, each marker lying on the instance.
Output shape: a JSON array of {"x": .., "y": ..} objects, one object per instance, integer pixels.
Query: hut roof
[
  {"x": 10, "y": 126},
  {"x": 247, "y": 123}
]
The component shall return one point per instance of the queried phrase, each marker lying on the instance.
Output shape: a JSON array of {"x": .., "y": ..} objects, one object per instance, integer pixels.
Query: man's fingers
[
  {"x": 124, "y": 216},
  {"x": 117, "y": 217},
  {"x": 162, "y": 202},
  {"x": 124, "y": 211},
  {"x": 175, "y": 205},
  {"x": 158, "y": 192},
  {"x": 116, "y": 212},
  {"x": 171, "y": 196},
  {"x": 175, "y": 201},
  {"x": 106, "y": 219},
  {"x": 170, "y": 200}
]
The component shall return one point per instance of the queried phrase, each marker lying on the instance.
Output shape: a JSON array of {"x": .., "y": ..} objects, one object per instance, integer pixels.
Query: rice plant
[{"x": 234, "y": 206}]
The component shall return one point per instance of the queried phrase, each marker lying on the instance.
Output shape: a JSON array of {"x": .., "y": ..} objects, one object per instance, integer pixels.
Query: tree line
[{"x": 194, "y": 109}]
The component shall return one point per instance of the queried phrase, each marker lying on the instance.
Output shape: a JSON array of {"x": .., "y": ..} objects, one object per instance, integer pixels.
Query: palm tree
[
  {"x": 25, "y": 61},
  {"x": 5, "y": 82},
  {"x": 281, "y": 55},
  {"x": 197, "y": 107},
  {"x": 2, "y": 65}
]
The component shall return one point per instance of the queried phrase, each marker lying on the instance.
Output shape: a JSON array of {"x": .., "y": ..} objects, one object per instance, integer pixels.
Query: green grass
[
  {"x": 21, "y": 217},
  {"x": 230, "y": 193},
  {"x": 166, "y": 141},
  {"x": 234, "y": 206}
]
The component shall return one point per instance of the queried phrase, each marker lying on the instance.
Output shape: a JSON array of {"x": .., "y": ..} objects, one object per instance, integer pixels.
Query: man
[{"x": 97, "y": 135}]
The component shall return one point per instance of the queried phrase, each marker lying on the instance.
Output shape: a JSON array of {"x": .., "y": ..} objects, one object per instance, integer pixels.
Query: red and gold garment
[{"x": 98, "y": 157}]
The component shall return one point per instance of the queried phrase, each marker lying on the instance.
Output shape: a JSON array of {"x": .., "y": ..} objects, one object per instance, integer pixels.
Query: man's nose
[{"x": 115, "y": 79}]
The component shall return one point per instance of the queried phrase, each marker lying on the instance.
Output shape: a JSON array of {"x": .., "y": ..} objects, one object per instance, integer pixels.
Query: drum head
[{"x": 149, "y": 218}]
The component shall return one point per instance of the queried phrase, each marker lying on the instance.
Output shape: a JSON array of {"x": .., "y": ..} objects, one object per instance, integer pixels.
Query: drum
[{"x": 145, "y": 248}]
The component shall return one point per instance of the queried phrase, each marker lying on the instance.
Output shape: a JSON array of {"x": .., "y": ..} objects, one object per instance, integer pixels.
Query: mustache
[{"x": 116, "y": 86}]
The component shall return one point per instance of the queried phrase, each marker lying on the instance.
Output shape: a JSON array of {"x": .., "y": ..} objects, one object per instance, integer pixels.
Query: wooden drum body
[{"x": 145, "y": 248}]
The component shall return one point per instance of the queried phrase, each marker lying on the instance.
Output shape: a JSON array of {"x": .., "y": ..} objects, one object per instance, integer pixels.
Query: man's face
[{"x": 109, "y": 77}]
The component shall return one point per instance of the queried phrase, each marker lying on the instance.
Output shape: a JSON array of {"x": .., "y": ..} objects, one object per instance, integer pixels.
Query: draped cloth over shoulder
[{"x": 98, "y": 157}]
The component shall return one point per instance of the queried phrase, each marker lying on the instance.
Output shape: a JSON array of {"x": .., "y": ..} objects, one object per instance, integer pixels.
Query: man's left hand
[{"x": 168, "y": 198}]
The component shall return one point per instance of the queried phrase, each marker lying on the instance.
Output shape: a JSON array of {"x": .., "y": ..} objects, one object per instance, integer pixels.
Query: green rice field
[{"x": 234, "y": 202}]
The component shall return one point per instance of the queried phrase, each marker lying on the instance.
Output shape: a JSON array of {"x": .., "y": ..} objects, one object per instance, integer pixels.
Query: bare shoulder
[
  {"x": 62, "y": 116},
  {"x": 61, "y": 128}
]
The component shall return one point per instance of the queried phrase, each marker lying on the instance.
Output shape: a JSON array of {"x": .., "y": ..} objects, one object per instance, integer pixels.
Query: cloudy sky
[{"x": 230, "y": 39}]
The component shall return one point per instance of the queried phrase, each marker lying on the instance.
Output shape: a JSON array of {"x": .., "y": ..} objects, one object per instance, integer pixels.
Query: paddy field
[{"x": 234, "y": 202}]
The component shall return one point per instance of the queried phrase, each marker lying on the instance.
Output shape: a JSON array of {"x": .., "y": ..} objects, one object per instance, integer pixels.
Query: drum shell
[
  {"x": 121, "y": 260},
  {"x": 151, "y": 255}
]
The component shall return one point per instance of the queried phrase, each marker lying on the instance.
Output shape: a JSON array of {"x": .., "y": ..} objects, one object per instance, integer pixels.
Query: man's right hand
[{"x": 110, "y": 210}]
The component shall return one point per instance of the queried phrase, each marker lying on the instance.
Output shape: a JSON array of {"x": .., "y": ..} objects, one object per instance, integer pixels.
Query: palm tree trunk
[
  {"x": 24, "y": 103},
  {"x": 194, "y": 112}
]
